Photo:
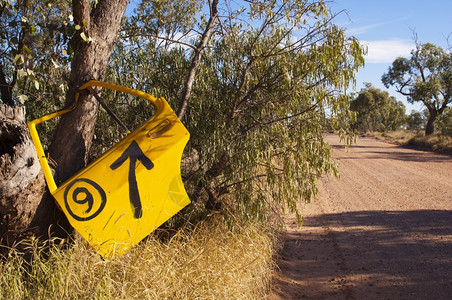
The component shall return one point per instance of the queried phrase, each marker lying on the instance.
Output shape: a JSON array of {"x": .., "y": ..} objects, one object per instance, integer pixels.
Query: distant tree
[
  {"x": 426, "y": 77},
  {"x": 416, "y": 121},
  {"x": 376, "y": 110}
]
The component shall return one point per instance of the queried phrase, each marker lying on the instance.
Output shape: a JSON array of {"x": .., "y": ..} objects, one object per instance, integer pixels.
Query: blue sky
[{"x": 386, "y": 27}]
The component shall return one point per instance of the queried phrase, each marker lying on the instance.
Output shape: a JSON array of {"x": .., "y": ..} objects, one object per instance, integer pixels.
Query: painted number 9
[{"x": 84, "y": 199}]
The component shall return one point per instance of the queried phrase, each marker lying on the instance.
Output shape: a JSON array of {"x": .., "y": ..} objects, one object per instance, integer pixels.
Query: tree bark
[
  {"x": 73, "y": 138},
  {"x": 430, "y": 127},
  {"x": 22, "y": 184}
]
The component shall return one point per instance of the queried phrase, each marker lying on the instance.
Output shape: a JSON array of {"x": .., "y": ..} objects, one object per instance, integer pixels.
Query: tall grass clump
[
  {"x": 400, "y": 137},
  {"x": 434, "y": 142},
  {"x": 211, "y": 261}
]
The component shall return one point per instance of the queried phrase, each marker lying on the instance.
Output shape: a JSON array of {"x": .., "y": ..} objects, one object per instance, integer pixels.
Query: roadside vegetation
[
  {"x": 209, "y": 261},
  {"x": 434, "y": 142},
  {"x": 379, "y": 115}
]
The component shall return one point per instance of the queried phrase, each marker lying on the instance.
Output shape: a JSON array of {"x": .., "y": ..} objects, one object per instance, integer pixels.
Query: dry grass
[
  {"x": 400, "y": 137},
  {"x": 435, "y": 142},
  {"x": 209, "y": 262}
]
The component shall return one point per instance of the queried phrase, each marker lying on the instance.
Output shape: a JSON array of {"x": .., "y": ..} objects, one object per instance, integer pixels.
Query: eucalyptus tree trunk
[
  {"x": 22, "y": 184},
  {"x": 430, "y": 127},
  {"x": 69, "y": 150},
  {"x": 25, "y": 208}
]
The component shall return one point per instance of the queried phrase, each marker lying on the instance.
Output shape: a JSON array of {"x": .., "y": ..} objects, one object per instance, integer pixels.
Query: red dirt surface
[{"x": 383, "y": 231}]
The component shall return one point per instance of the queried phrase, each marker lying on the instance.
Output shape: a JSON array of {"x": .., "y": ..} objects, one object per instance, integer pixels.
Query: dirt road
[{"x": 383, "y": 231}]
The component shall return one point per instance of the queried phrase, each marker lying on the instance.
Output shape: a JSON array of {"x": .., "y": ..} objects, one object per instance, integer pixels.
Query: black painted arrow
[{"x": 134, "y": 153}]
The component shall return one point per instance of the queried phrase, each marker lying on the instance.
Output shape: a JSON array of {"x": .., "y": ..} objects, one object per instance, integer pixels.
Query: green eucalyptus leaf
[{"x": 84, "y": 37}]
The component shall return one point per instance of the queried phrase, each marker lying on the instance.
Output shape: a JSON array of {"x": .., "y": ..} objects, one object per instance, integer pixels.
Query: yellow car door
[{"x": 130, "y": 190}]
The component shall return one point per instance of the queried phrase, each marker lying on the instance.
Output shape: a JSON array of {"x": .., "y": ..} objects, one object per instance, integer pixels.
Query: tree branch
[
  {"x": 5, "y": 89},
  {"x": 162, "y": 38},
  {"x": 197, "y": 59}
]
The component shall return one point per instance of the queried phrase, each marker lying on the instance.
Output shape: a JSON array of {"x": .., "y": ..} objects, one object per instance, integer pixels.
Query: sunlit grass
[
  {"x": 211, "y": 261},
  {"x": 400, "y": 137},
  {"x": 435, "y": 142}
]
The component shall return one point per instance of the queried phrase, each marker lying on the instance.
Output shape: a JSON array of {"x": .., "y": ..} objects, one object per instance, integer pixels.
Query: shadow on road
[{"x": 372, "y": 254}]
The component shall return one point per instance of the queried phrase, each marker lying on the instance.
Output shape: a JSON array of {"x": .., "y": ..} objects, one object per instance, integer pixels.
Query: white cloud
[
  {"x": 363, "y": 29},
  {"x": 386, "y": 51},
  {"x": 370, "y": 27}
]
